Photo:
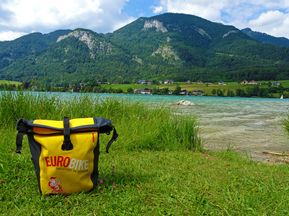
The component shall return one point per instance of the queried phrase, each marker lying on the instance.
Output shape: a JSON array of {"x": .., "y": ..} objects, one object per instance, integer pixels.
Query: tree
[
  {"x": 129, "y": 90},
  {"x": 230, "y": 93},
  {"x": 214, "y": 92},
  {"x": 177, "y": 90},
  {"x": 220, "y": 93}
]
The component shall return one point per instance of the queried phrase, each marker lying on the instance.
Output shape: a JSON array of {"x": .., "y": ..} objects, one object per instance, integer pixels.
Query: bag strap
[
  {"x": 113, "y": 138},
  {"x": 67, "y": 145},
  {"x": 105, "y": 126},
  {"x": 22, "y": 129},
  {"x": 19, "y": 138}
]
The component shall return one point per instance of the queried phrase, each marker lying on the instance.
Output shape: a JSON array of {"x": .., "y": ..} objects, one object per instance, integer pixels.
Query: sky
[{"x": 20, "y": 17}]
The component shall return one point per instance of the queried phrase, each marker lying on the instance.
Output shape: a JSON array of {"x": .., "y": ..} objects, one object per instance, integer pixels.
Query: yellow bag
[{"x": 65, "y": 153}]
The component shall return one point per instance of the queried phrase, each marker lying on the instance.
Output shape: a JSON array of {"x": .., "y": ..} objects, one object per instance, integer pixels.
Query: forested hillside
[{"x": 168, "y": 46}]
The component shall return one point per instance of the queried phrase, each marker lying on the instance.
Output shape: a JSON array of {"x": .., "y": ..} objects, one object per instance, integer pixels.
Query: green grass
[
  {"x": 188, "y": 86},
  {"x": 205, "y": 87},
  {"x": 150, "y": 170},
  {"x": 139, "y": 126},
  {"x": 9, "y": 82}
]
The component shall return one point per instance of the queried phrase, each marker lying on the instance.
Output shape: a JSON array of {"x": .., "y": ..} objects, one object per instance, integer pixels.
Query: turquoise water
[{"x": 251, "y": 125}]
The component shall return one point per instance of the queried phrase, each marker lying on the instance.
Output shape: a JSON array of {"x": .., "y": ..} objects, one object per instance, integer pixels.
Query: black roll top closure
[{"x": 101, "y": 125}]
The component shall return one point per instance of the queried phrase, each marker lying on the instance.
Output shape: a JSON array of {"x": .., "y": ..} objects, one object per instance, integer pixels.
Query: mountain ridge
[
  {"x": 265, "y": 38},
  {"x": 167, "y": 46}
]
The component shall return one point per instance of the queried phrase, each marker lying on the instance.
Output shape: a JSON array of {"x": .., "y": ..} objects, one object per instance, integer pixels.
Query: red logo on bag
[
  {"x": 55, "y": 185},
  {"x": 66, "y": 163}
]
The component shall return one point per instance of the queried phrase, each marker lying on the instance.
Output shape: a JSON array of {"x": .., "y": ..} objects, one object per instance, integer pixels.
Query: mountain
[
  {"x": 265, "y": 38},
  {"x": 31, "y": 44},
  {"x": 168, "y": 46}
]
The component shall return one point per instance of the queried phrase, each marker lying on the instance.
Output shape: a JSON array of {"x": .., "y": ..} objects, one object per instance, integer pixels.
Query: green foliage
[
  {"x": 150, "y": 183},
  {"x": 29, "y": 45},
  {"x": 220, "y": 93},
  {"x": 230, "y": 93},
  {"x": 177, "y": 90},
  {"x": 137, "y": 179},
  {"x": 264, "y": 38},
  {"x": 141, "y": 128},
  {"x": 192, "y": 48},
  {"x": 129, "y": 90}
]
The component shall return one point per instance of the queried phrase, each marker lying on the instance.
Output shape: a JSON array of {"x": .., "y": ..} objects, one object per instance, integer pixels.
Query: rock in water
[{"x": 185, "y": 103}]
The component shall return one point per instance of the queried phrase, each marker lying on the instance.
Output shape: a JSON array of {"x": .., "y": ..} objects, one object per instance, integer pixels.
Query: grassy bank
[
  {"x": 266, "y": 89},
  {"x": 8, "y": 82},
  {"x": 154, "y": 183},
  {"x": 150, "y": 170},
  {"x": 140, "y": 127}
]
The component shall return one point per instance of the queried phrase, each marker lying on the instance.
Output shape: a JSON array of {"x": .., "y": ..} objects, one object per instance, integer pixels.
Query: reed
[{"x": 140, "y": 127}]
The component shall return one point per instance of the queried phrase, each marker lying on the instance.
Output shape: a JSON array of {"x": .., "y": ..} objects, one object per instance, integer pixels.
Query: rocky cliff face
[
  {"x": 95, "y": 45},
  {"x": 167, "y": 53},
  {"x": 155, "y": 24}
]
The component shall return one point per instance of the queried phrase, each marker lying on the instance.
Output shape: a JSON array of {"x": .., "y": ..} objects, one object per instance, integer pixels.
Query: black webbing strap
[
  {"x": 113, "y": 138},
  {"x": 19, "y": 138},
  {"x": 22, "y": 129},
  {"x": 67, "y": 145}
]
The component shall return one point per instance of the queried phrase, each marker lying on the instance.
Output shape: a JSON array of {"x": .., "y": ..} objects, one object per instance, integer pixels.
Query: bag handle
[
  {"x": 113, "y": 138},
  {"x": 105, "y": 126},
  {"x": 67, "y": 145}
]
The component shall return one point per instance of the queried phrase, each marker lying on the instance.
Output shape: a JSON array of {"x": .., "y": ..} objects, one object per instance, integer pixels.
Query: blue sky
[
  {"x": 20, "y": 17},
  {"x": 139, "y": 8}
]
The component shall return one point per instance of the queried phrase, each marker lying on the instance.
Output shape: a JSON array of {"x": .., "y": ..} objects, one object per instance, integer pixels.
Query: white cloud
[
  {"x": 269, "y": 16},
  {"x": 274, "y": 22},
  {"x": 10, "y": 35},
  {"x": 157, "y": 9},
  {"x": 45, "y": 16},
  {"x": 25, "y": 16}
]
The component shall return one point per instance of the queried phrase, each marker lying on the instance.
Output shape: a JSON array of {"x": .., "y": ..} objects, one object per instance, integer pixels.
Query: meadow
[
  {"x": 157, "y": 166},
  {"x": 9, "y": 82},
  {"x": 263, "y": 89}
]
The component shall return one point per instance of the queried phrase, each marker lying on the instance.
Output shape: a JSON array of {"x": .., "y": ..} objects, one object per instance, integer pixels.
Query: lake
[{"x": 249, "y": 125}]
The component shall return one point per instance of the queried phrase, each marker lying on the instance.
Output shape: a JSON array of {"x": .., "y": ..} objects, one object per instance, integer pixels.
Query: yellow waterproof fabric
[{"x": 65, "y": 171}]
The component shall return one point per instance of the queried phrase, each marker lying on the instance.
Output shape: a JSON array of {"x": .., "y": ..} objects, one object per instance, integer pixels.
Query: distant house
[
  {"x": 143, "y": 91},
  {"x": 144, "y": 82},
  {"x": 276, "y": 84},
  {"x": 168, "y": 82},
  {"x": 141, "y": 82},
  {"x": 252, "y": 82}
]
